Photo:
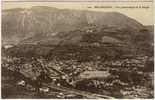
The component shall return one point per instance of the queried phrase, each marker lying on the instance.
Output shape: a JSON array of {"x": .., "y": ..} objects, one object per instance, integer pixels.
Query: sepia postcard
[{"x": 77, "y": 49}]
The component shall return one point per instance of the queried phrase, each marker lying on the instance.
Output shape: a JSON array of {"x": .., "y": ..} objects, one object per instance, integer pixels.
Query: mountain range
[{"x": 42, "y": 24}]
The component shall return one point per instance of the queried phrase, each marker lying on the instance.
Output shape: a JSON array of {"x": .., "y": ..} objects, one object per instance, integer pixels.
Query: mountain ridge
[{"x": 20, "y": 24}]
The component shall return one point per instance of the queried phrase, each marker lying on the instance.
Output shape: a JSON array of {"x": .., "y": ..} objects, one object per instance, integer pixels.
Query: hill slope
[{"x": 44, "y": 24}]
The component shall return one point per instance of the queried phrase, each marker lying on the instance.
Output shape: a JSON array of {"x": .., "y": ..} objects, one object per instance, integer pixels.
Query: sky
[{"x": 140, "y": 11}]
